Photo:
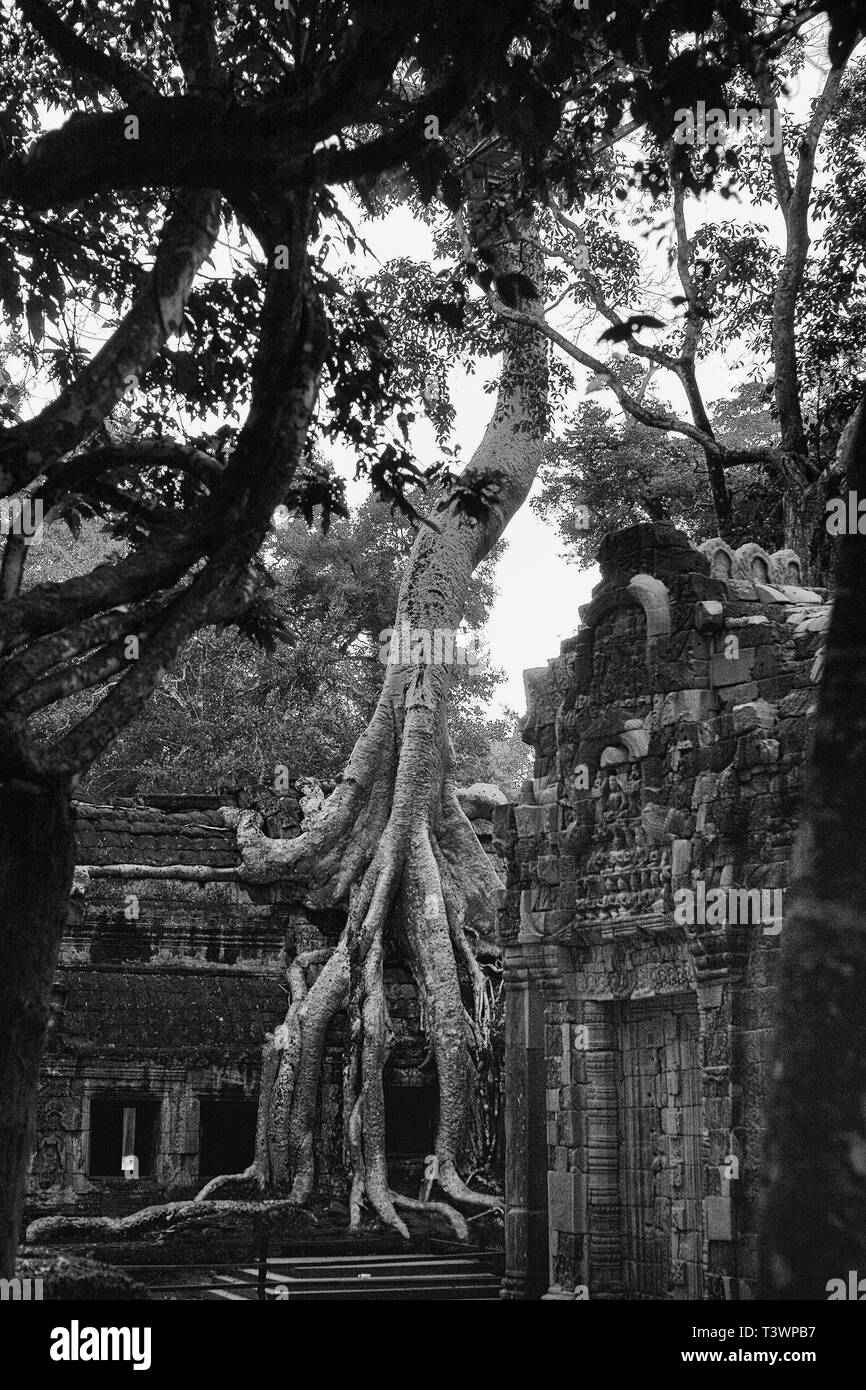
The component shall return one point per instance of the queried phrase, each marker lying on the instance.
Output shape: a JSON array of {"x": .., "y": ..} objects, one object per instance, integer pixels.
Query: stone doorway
[
  {"x": 660, "y": 1148},
  {"x": 227, "y": 1135},
  {"x": 410, "y": 1121}
]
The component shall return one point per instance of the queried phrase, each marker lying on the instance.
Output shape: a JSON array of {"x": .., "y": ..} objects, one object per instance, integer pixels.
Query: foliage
[
  {"x": 231, "y": 710},
  {"x": 606, "y": 473},
  {"x": 183, "y": 207}
]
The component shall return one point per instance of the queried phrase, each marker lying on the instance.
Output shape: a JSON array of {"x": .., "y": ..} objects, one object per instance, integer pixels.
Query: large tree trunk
[
  {"x": 36, "y": 837},
  {"x": 814, "y": 1227},
  {"x": 805, "y": 527},
  {"x": 392, "y": 843},
  {"x": 37, "y": 855}
]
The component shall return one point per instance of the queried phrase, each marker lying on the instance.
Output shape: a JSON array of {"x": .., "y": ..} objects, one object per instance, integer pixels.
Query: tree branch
[
  {"x": 12, "y": 568},
  {"x": 659, "y": 420},
  {"x": 109, "y": 69},
  {"x": 596, "y": 293},
  {"x": 794, "y": 202},
  {"x": 77, "y": 473},
  {"x": 194, "y": 142},
  {"x": 51, "y": 607},
  {"x": 286, "y": 375},
  {"x": 18, "y": 672},
  {"x": 214, "y": 594},
  {"x": 193, "y": 35},
  {"x": 696, "y": 315},
  {"x": 187, "y": 238},
  {"x": 94, "y": 670},
  {"x": 778, "y": 161}
]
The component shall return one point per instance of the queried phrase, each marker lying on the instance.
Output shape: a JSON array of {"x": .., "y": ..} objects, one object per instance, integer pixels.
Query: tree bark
[
  {"x": 36, "y": 866},
  {"x": 36, "y": 836},
  {"x": 814, "y": 1219},
  {"x": 392, "y": 844},
  {"x": 805, "y": 528}
]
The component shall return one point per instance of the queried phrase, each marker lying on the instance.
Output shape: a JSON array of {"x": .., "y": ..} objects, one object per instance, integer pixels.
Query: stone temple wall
[
  {"x": 172, "y": 970},
  {"x": 648, "y": 859}
]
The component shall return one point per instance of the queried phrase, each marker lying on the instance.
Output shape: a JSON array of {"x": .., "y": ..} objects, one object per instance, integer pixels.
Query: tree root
[
  {"x": 170, "y": 1217},
  {"x": 250, "y": 1182},
  {"x": 454, "y": 1219},
  {"x": 393, "y": 841}
]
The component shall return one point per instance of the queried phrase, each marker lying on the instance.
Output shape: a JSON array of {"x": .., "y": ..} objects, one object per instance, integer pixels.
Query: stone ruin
[
  {"x": 669, "y": 740},
  {"x": 172, "y": 969}
]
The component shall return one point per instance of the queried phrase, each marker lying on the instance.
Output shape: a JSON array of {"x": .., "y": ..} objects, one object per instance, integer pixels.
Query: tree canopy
[{"x": 167, "y": 196}]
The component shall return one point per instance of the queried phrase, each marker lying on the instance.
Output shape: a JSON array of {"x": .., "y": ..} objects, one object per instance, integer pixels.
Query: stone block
[
  {"x": 731, "y": 695},
  {"x": 479, "y": 800},
  {"x": 531, "y": 820},
  {"x": 530, "y": 925},
  {"x": 719, "y": 1218},
  {"x": 694, "y": 705},
  {"x": 567, "y": 1201},
  {"x": 709, "y": 614},
  {"x": 756, "y": 714},
  {"x": 793, "y": 593},
  {"x": 566, "y": 1055},
  {"x": 571, "y": 1127},
  {"x": 768, "y": 593},
  {"x": 732, "y": 671},
  {"x": 681, "y": 858},
  {"x": 548, "y": 868}
]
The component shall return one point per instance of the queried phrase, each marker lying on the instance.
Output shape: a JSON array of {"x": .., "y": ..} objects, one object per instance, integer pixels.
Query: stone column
[
  {"x": 526, "y": 1250},
  {"x": 606, "y": 1273},
  {"x": 731, "y": 1066}
]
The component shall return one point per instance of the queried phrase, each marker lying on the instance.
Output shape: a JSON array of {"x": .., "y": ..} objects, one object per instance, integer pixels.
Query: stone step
[{"x": 373, "y": 1278}]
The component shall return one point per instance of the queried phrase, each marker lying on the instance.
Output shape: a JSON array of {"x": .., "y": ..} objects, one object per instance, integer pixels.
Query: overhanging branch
[
  {"x": 187, "y": 238},
  {"x": 109, "y": 69},
  {"x": 193, "y": 141}
]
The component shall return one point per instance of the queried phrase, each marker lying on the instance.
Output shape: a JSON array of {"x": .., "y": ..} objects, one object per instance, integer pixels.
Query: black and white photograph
[{"x": 432, "y": 676}]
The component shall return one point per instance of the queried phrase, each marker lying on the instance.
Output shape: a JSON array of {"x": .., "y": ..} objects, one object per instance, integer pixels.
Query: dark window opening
[
  {"x": 122, "y": 1127},
  {"x": 227, "y": 1136},
  {"x": 119, "y": 939},
  {"x": 410, "y": 1119}
]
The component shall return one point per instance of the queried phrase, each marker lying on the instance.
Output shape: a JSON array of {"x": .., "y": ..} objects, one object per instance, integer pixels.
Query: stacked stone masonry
[
  {"x": 172, "y": 969},
  {"x": 669, "y": 740}
]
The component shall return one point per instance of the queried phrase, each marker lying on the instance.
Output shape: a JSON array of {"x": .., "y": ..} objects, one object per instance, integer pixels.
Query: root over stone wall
[{"x": 172, "y": 970}]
